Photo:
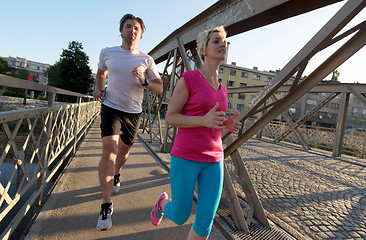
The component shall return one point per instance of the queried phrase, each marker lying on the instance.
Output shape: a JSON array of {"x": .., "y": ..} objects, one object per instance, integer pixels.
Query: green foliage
[
  {"x": 16, "y": 92},
  {"x": 4, "y": 67},
  {"x": 72, "y": 71},
  {"x": 335, "y": 75}
]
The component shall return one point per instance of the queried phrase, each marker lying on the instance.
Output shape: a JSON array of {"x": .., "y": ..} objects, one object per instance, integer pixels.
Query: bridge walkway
[
  {"x": 308, "y": 194},
  {"x": 73, "y": 208}
]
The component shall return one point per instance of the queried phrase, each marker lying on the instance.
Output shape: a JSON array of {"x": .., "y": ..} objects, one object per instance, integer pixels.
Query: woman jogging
[{"x": 197, "y": 108}]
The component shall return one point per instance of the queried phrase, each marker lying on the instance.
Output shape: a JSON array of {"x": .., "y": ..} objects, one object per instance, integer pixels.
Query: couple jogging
[{"x": 197, "y": 108}]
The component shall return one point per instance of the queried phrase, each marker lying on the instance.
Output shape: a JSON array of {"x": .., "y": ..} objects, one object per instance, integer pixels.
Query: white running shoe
[{"x": 105, "y": 218}]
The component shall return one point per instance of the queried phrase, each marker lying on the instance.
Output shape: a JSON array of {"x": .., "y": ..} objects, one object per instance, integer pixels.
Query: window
[
  {"x": 232, "y": 72},
  {"x": 268, "y": 79},
  {"x": 241, "y": 96},
  {"x": 312, "y": 102},
  {"x": 256, "y": 77},
  {"x": 321, "y": 115},
  {"x": 292, "y": 111},
  {"x": 229, "y": 105},
  {"x": 334, "y": 105},
  {"x": 244, "y": 74},
  {"x": 221, "y": 70},
  {"x": 242, "y": 84},
  {"x": 231, "y": 84},
  {"x": 239, "y": 106},
  {"x": 354, "y": 110},
  {"x": 363, "y": 111}
]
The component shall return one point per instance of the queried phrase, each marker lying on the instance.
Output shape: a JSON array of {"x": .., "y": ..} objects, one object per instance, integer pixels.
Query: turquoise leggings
[{"x": 183, "y": 177}]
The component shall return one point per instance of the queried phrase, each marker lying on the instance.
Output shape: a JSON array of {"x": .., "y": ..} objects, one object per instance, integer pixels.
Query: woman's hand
[
  {"x": 232, "y": 125},
  {"x": 214, "y": 119}
]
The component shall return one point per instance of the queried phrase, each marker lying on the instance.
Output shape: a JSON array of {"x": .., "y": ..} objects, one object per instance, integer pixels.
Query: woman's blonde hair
[{"x": 204, "y": 37}]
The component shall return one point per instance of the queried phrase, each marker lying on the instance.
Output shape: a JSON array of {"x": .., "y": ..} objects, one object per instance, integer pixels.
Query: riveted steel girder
[{"x": 237, "y": 16}]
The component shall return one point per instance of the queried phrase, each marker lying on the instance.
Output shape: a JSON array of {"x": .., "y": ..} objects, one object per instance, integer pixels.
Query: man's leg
[
  {"x": 106, "y": 176},
  {"x": 107, "y": 166},
  {"x": 122, "y": 155}
]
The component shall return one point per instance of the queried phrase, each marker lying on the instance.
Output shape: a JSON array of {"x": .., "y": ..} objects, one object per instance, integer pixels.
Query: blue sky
[{"x": 38, "y": 30}]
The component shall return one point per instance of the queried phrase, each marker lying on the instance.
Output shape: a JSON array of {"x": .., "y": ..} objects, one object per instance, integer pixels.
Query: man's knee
[
  {"x": 123, "y": 148},
  {"x": 110, "y": 147}
]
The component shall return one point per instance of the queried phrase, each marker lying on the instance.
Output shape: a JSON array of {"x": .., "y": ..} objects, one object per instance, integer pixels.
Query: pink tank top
[{"x": 200, "y": 143}]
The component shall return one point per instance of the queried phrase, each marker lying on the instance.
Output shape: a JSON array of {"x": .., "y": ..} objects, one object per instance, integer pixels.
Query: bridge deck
[
  {"x": 308, "y": 194},
  {"x": 73, "y": 208}
]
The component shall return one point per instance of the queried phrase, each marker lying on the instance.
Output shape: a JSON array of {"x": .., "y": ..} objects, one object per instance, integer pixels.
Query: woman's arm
[{"x": 175, "y": 117}]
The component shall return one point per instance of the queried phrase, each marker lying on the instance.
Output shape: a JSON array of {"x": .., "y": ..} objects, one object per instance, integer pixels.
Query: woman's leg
[
  {"x": 209, "y": 187},
  {"x": 183, "y": 175}
]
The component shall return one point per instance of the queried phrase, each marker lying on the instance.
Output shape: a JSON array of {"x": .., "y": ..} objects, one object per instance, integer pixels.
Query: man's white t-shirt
[{"x": 124, "y": 91}]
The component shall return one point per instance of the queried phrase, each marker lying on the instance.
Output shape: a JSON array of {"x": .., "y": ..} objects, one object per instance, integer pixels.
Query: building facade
[
  {"x": 232, "y": 75},
  {"x": 35, "y": 69}
]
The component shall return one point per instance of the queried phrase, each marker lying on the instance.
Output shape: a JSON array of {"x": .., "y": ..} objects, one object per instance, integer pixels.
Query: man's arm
[
  {"x": 100, "y": 80},
  {"x": 155, "y": 85}
]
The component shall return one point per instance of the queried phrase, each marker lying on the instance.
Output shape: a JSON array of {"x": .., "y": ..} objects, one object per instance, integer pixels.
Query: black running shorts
[{"x": 115, "y": 122}]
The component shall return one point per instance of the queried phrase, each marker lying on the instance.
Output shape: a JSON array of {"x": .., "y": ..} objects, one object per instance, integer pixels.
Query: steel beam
[
  {"x": 341, "y": 125},
  {"x": 302, "y": 120},
  {"x": 320, "y": 88},
  {"x": 237, "y": 16},
  {"x": 345, "y": 14}
]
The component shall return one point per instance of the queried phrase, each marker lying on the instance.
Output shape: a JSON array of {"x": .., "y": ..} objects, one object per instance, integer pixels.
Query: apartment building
[
  {"x": 232, "y": 75},
  {"x": 35, "y": 69}
]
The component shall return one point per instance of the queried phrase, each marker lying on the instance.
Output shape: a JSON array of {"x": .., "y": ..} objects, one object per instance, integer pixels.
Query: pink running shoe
[{"x": 157, "y": 212}]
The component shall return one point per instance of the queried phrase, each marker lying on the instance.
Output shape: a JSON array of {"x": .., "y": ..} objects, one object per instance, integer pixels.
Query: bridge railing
[
  {"x": 318, "y": 137},
  {"x": 34, "y": 144}
]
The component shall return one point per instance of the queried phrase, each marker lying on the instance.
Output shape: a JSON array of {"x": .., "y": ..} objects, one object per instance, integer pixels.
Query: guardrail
[
  {"x": 34, "y": 144},
  {"x": 354, "y": 143}
]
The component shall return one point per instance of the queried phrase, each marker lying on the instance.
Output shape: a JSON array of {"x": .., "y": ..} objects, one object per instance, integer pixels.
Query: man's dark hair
[{"x": 130, "y": 16}]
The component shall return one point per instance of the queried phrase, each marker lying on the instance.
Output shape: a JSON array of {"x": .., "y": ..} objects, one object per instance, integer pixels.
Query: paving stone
[
  {"x": 314, "y": 228},
  {"x": 323, "y": 228},
  {"x": 322, "y": 235},
  {"x": 330, "y": 235},
  {"x": 354, "y": 235},
  {"x": 319, "y": 194}
]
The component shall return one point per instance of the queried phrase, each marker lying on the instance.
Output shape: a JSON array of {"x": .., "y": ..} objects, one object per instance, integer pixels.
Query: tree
[
  {"x": 7, "y": 70},
  {"x": 4, "y": 67},
  {"x": 72, "y": 71},
  {"x": 335, "y": 75}
]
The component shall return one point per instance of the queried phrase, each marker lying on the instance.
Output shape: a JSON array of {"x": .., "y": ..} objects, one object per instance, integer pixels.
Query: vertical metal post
[
  {"x": 341, "y": 125},
  {"x": 76, "y": 127},
  {"x": 364, "y": 146},
  {"x": 233, "y": 202},
  {"x": 166, "y": 147},
  {"x": 44, "y": 160},
  {"x": 51, "y": 99},
  {"x": 149, "y": 114},
  {"x": 183, "y": 54}
]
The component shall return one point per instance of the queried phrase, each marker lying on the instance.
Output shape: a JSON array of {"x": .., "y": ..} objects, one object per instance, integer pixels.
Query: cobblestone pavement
[{"x": 320, "y": 197}]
